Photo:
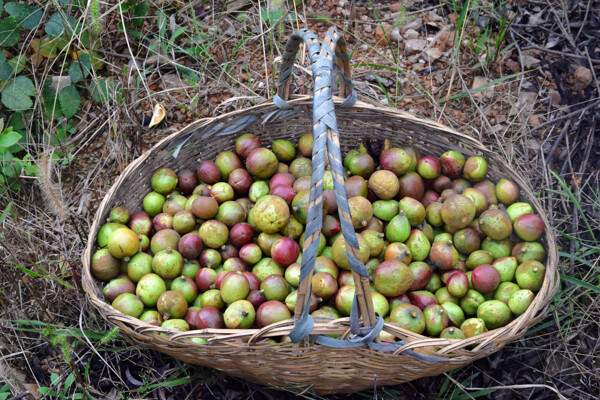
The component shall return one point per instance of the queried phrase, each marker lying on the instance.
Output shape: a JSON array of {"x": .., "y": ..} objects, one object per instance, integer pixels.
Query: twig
[{"x": 569, "y": 115}]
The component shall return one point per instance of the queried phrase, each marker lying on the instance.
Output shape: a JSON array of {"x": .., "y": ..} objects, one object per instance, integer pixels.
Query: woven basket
[{"x": 309, "y": 366}]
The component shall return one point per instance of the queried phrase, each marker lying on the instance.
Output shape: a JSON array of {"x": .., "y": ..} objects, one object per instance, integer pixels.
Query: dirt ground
[{"x": 519, "y": 76}]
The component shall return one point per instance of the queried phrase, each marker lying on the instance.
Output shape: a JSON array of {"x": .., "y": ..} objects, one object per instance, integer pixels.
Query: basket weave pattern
[{"x": 246, "y": 353}]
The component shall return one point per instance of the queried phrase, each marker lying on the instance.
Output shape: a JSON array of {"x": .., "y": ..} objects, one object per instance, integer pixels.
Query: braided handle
[{"x": 326, "y": 142}]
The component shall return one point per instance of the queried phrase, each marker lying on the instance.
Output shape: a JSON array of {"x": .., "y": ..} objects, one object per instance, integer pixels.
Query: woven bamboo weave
[{"x": 247, "y": 353}]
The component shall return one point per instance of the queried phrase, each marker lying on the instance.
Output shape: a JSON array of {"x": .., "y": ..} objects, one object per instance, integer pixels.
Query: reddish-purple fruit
[
  {"x": 443, "y": 255},
  {"x": 428, "y": 167},
  {"x": 262, "y": 163},
  {"x": 202, "y": 189},
  {"x": 172, "y": 304},
  {"x": 234, "y": 264},
  {"x": 162, "y": 221},
  {"x": 209, "y": 318},
  {"x": 429, "y": 197},
  {"x": 116, "y": 287},
  {"x": 241, "y": 234},
  {"x": 246, "y": 143},
  {"x": 256, "y": 297},
  {"x": 345, "y": 279},
  {"x": 240, "y": 180},
  {"x": 205, "y": 207},
  {"x": 282, "y": 178},
  {"x": 441, "y": 183},
  {"x": 529, "y": 227},
  {"x": 205, "y": 278},
  {"x": 330, "y": 202},
  {"x": 271, "y": 312},
  {"x": 190, "y": 316},
  {"x": 331, "y": 226},
  {"x": 140, "y": 223},
  {"x": 227, "y": 161},
  {"x": 488, "y": 189},
  {"x": 356, "y": 186},
  {"x": 395, "y": 160},
  {"x": 190, "y": 245},
  {"x": 208, "y": 172},
  {"x": 287, "y": 193},
  {"x": 253, "y": 280},
  {"x": 422, "y": 298},
  {"x": 466, "y": 241},
  {"x": 285, "y": 251},
  {"x": 411, "y": 184},
  {"x": 421, "y": 273},
  {"x": 187, "y": 181},
  {"x": 452, "y": 163},
  {"x": 485, "y": 278},
  {"x": 228, "y": 251},
  {"x": 459, "y": 185},
  {"x": 324, "y": 285}
]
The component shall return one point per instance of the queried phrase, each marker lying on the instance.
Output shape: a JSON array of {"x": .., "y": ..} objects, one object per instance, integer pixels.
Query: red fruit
[
  {"x": 287, "y": 193},
  {"x": 252, "y": 280},
  {"x": 205, "y": 278},
  {"x": 246, "y": 143},
  {"x": 447, "y": 274},
  {"x": 282, "y": 178},
  {"x": 411, "y": 185},
  {"x": 429, "y": 197},
  {"x": 422, "y": 299},
  {"x": 208, "y": 172},
  {"x": 485, "y": 278},
  {"x": 219, "y": 278},
  {"x": 256, "y": 297},
  {"x": 285, "y": 251},
  {"x": 271, "y": 312},
  {"x": 529, "y": 227},
  {"x": 241, "y": 234},
  {"x": 209, "y": 318},
  {"x": 441, "y": 183},
  {"x": 162, "y": 221},
  {"x": 458, "y": 284},
  {"x": 190, "y": 317},
  {"x": 330, "y": 200},
  {"x": 228, "y": 251},
  {"x": 240, "y": 180},
  {"x": 190, "y": 246},
  {"x": 429, "y": 167},
  {"x": 186, "y": 181}
]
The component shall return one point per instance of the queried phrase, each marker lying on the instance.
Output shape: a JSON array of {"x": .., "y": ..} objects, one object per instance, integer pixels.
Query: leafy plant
[{"x": 63, "y": 393}]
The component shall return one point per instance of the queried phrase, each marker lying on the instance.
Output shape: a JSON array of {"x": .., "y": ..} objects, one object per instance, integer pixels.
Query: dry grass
[{"x": 44, "y": 231}]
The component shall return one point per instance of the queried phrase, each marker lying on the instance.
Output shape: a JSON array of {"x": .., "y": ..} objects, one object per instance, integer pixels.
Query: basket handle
[{"x": 326, "y": 142}]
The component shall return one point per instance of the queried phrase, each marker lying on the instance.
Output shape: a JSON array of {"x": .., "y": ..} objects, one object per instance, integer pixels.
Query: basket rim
[{"x": 516, "y": 328}]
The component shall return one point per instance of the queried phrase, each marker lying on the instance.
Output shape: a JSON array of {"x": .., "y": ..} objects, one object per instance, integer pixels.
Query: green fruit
[
  {"x": 349, "y": 155},
  {"x": 190, "y": 269},
  {"x": 222, "y": 192},
  {"x": 275, "y": 287},
  {"x": 266, "y": 267},
  {"x": 164, "y": 239},
  {"x": 284, "y": 150},
  {"x": 172, "y": 304},
  {"x": 164, "y": 181},
  {"x": 471, "y": 302},
  {"x": 301, "y": 167},
  {"x": 176, "y": 324},
  {"x": 495, "y": 223},
  {"x": 119, "y": 215},
  {"x": 167, "y": 264},
  {"x": 494, "y": 313},
  {"x": 356, "y": 186},
  {"x": 270, "y": 214},
  {"x": 186, "y": 287},
  {"x": 380, "y": 304},
  {"x": 455, "y": 313},
  {"x": 234, "y": 287},
  {"x": 478, "y": 199},
  {"x": 477, "y": 258},
  {"x": 210, "y": 298},
  {"x": 361, "y": 211},
  {"x": 385, "y": 209},
  {"x": 153, "y": 203},
  {"x": 239, "y": 315},
  {"x": 214, "y": 234},
  {"x": 174, "y": 204},
  {"x": 292, "y": 274},
  {"x": 322, "y": 244},
  {"x": 515, "y": 210},
  {"x": 434, "y": 283},
  {"x": 442, "y": 237},
  {"x": 149, "y": 288},
  {"x": 418, "y": 244},
  {"x": 475, "y": 168},
  {"x": 226, "y": 162},
  {"x": 505, "y": 290},
  {"x": 507, "y": 267},
  {"x": 413, "y": 209},
  {"x": 104, "y": 266},
  {"x": 375, "y": 241},
  {"x": 433, "y": 214},
  {"x": 361, "y": 164},
  {"x": 105, "y": 231},
  {"x": 473, "y": 327},
  {"x": 408, "y": 317},
  {"x": 262, "y": 163},
  {"x": 452, "y": 333},
  {"x": 305, "y": 144},
  {"x": 530, "y": 275},
  {"x": 529, "y": 251},
  {"x": 507, "y": 191},
  {"x": 398, "y": 229},
  {"x": 458, "y": 211},
  {"x": 443, "y": 296},
  {"x": 520, "y": 301},
  {"x": 129, "y": 304},
  {"x": 138, "y": 266},
  {"x": 392, "y": 278},
  {"x": 152, "y": 317},
  {"x": 123, "y": 242},
  {"x": 436, "y": 319},
  {"x": 498, "y": 248},
  {"x": 466, "y": 241},
  {"x": 338, "y": 251}
]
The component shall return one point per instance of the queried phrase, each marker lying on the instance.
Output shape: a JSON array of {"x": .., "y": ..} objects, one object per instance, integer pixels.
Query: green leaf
[
  {"x": 57, "y": 26},
  {"x": 9, "y": 32},
  {"x": 17, "y": 95},
  {"x": 69, "y": 381},
  {"x": 9, "y": 138},
  {"x": 75, "y": 68},
  {"x": 51, "y": 107},
  {"x": 43, "y": 390},
  {"x": 140, "y": 11},
  {"x": 28, "y": 16},
  {"x": 103, "y": 89},
  {"x": 69, "y": 100},
  {"x": 2, "y": 55},
  {"x": 581, "y": 283},
  {"x": 1, "y": 5},
  {"x": 17, "y": 63}
]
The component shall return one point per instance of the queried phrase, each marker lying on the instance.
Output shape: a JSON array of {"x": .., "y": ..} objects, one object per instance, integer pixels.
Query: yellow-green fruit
[
  {"x": 123, "y": 243},
  {"x": 494, "y": 313},
  {"x": 530, "y": 275},
  {"x": 473, "y": 327},
  {"x": 338, "y": 251}
]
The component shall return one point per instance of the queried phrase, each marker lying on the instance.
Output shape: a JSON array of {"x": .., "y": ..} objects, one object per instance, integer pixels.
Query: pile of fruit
[{"x": 450, "y": 253}]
